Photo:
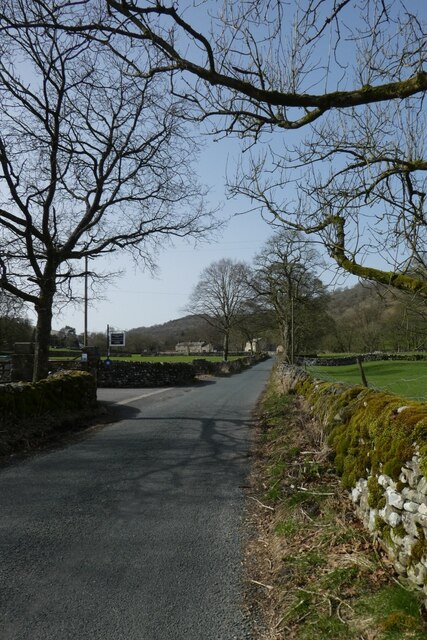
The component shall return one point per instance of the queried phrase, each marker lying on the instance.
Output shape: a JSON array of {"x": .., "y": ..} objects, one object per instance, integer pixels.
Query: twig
[
  {"x": 261, "y": 584},
  {"x": 339, "y": 611},
  {"x": 277, "y": 625},
  {"x": 315, "y": 524},
  {"x": 316, "y": 493},
  {"x": 303, "y": 617},
  {"x": 329, "y": 597},
  {"x": 261, "y": 504},
  {"x": 304, "y": 513},
  {"x": 397, "y": 581}
]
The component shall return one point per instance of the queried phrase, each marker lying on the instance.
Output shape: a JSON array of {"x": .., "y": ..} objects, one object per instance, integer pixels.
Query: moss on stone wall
[
  {"x": 370, "y": 431},
  {"x": 65, "y": 391},
  {"x": 376, "y": 498}
]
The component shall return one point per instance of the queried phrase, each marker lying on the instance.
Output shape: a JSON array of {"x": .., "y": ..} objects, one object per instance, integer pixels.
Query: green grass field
[
  {"x": 160, "y": 358},
  {"x": 136, "y": 357},
  {"x": 403, "y": 377}
]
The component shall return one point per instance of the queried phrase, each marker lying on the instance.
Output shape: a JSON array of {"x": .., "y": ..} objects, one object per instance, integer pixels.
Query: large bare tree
[
  {"x": 91, "y": 162},
  {"x": 358, "y": 183},
  {"x": 346, "y": 71},
  {"x": 267, "y": 63},
  {"x": 221, "y": 296}
]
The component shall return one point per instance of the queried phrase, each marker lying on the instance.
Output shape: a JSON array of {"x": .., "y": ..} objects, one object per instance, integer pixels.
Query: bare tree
[
  {"x": 358, "y": 184},
  {"x": 265, "y": 63},
  {"x": 345, "y": 71},
  {"x": 220, "y": 296},
  {"x": 284, "y": 278},
  {"x": 260, "y": 64},
  {"x": 90, "y": 163}
]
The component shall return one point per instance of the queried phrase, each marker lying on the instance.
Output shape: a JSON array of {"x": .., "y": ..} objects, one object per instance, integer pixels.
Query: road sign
[{"x": 117, "y": 338}]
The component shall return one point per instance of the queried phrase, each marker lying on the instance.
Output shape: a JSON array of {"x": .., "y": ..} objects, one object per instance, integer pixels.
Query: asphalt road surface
[{"x": 135, "y": 532}]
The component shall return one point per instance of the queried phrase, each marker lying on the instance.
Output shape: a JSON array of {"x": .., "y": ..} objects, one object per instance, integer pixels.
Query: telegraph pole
[
  {"x": 86, "y": 304},
  {"x": 292, "y": 330}
]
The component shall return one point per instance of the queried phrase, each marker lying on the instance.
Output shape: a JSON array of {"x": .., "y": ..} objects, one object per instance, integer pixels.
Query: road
[{"x": 135, "y": 532}]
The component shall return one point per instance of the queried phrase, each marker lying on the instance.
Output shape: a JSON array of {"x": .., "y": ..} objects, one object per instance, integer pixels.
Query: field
[
  {"x": 136, "y": 357},
  {"x": 403, "y": 377},
  {"x": 161, "y": 358}
]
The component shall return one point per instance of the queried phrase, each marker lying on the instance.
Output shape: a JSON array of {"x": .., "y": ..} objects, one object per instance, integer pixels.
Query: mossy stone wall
[
  {"x": 64, "y": 391},
  {"x": 379, "y": 446},
  {"x": 31, "y": 414}
]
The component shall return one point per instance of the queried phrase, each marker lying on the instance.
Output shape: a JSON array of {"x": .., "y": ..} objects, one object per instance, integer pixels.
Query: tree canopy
[
  {"x": 91, "y": 163},
  {"x": 351, "y": 74},
  {"x": 328, "y": 98},
  {"x": 285, "y": 279}
]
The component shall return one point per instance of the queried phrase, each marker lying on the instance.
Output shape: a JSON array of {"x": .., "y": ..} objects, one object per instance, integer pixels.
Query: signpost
[
  {"x": 117, "y": 338},
  {"x": 114, "y": 339}
]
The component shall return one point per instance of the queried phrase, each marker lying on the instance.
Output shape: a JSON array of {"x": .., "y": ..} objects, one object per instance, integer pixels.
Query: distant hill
[
  {"x": 164, "y": 337},
  {"x": 363, "y": 318}
]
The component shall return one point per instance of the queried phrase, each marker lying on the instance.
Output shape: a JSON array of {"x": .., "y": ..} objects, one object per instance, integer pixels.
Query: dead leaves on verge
[{"x": 312, "y": 571}]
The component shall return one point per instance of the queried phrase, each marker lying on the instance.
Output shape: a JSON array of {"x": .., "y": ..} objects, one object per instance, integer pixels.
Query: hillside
[
  {"x": 163, "y": 337},
  {"x": 360, "y": 319}
]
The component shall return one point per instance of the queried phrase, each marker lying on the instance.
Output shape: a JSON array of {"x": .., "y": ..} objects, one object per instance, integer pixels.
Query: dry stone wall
[
  {"x": 312, "y": 361},
  {"x": 158, "y": 374},
  {"x": 384, "y": 439},
  {"x": 399, "y": 521},
  {"x": 31, "y": 413},
  {"x": 145, "y": 374}
]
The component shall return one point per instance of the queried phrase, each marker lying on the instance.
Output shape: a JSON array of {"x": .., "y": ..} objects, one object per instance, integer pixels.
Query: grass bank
[
  {"x": 403, "y": 377},
  {"x": 313, "y": 571}
]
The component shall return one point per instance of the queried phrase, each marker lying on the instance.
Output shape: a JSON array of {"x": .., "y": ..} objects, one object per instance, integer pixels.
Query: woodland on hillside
[{"x": 362, "y": 318}]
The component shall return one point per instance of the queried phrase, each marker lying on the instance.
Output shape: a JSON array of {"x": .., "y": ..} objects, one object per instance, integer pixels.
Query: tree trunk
[
  {"x": 286, "y": 334},
  {"x": 225, "y": 346},
  {"x": 42, "y": 338}
]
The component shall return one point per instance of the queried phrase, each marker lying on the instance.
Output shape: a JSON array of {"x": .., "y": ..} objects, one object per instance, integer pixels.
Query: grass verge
[{"x": 313, "y": 572}]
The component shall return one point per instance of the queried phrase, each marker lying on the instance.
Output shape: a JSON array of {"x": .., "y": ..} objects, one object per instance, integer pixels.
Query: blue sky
[{"x": 139, "y": 299}]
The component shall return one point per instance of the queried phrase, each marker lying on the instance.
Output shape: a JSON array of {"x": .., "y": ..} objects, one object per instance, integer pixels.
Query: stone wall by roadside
[
  {"x": 31, "y": 412},
  {"x": 64, "y": 391},
  {"x": 310, "y": 361},
  {"x": 145, "y": 374},
  {"x": 398, "y": 517},
  {"x": 206, "y": 367},
  {"x": 159, "y": 374},
  {"x": 117, "y": 374},
  {"x": 379, "y": 445}
]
